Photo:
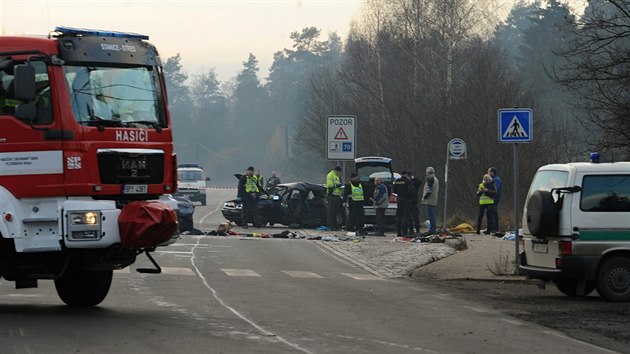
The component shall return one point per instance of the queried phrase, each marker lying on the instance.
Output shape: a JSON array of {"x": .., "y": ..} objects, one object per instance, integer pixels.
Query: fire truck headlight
[
  {"x": 84, "y": 225},
  {"x": 84, "y": 217}
]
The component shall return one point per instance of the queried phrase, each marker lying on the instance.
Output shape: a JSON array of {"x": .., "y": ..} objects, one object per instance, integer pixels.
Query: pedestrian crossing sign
[{"x": 515, "y": 125}]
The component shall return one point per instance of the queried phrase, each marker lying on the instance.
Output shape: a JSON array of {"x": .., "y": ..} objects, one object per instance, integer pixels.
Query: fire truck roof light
[{"x": 92, "y": 32}]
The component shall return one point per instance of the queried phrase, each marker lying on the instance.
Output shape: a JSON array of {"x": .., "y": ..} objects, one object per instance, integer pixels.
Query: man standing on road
[
  {"x": 494, "y": 211},
  {"x": 414, "y": 212},
  {"x": 381, "y": 201},
  {"x": 273, "y": 181},
  {"x": 403, "y": 190},
  {"x": 333, "y": 192},
  {"x": 430, "y": 197},
  {"x": 353, "y": 199},
  {"x": 248, "y": 194},
  {"x": 259, "y": 180}
]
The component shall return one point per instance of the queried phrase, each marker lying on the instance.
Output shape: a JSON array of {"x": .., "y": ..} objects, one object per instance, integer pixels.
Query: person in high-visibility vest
[
  {"x": 333, "y": 196},
  {"x": 353, "y": 199},
  {"x": 486, "y": 193},
  {"x": 248, "y": 194},
  {"x": 259, "y": 179}
]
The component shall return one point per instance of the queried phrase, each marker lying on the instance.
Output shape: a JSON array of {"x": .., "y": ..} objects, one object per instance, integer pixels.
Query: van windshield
[
  {"x": 189, "y": 176},
  {"x": 547, "y": 180}
]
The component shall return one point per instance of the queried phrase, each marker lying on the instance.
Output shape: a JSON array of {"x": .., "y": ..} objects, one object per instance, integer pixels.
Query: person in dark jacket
[
  {"x": 494, "y": 224},
  {"x": 414, "y": 211},
  {"x": 403, "y": 189},
  {"x": 353, "y": 199},
  {"x": 486, "y": 193}
]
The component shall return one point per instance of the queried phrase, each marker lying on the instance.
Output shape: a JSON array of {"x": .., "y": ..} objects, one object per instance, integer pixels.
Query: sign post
[
  {"x": 455, "y": 150},
  {"x": 515, "y": 126},
  {"x": 341, "y": 133}
]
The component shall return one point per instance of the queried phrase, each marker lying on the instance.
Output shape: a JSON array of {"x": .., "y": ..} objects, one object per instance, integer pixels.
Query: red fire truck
[{"x": 86, "y": 159}]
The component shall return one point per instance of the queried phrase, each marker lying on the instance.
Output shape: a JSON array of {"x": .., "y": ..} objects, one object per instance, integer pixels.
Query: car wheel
[
  {"x": 613, "y": 279},
  {"x": 542, "y": 214},
  {"x": 260, "y": 220},
  {"x": 203, "y": 201},
  {"x": 571, "y": 287},
  {"x": 83, "y": 288}
]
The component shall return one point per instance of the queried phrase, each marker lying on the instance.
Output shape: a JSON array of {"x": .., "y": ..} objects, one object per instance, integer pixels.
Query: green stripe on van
[{"x": 605, "y": 235}]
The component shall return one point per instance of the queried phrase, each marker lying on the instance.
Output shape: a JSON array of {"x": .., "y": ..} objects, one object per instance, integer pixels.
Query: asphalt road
[{"x": 232, "y": 295}]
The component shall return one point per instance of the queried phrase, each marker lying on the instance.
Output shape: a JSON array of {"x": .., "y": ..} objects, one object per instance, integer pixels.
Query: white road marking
[
  {"x": 175, "y": 252},
  {"x": 240, "y": 272},
  {"x": 212, "y": 212},
  {"x": 177, "y": 271},
  {"x": 165, "y": 270},
  {"x": 361, "y": 276},
  {"x": 477, "y": 309},
  {"x": 514, "y": 322},
  {"x": 241, "y": 316},
  {"x": 301, "y": 274}
]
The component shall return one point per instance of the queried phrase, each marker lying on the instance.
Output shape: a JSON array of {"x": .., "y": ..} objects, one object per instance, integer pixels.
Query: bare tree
[{"x": 598, "y": 71}]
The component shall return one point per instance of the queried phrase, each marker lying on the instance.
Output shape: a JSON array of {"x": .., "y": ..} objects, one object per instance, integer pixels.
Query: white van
[
  {"x": 576, "y": 226},
  {"x": 191, "y": 182}
]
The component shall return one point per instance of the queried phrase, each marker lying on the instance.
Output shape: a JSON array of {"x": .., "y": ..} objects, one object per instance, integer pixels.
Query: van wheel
[
  {"x": 613, "y": 279},
  {"x": 83, "y": 288},
  {"x": 542, "y": 215},
  {"x": 571, "y": 287}
]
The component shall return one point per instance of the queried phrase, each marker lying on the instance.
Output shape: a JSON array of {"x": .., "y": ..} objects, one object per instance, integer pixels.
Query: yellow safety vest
[
  {"x": 357, "y": 193},
  {"x": 332, "y": 180},
  {"x": 484, "y": 199},
  {"x": 251, "y": 185}
]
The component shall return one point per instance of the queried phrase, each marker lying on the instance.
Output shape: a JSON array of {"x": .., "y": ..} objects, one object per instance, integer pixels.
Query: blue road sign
[
  {"x": 515, "y": 125},
  {"x": 346, "y": 147}
]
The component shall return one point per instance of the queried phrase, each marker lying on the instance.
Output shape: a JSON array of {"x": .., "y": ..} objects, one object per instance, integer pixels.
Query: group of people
[
  {"x": 410, "y": 191},
  {"x": 489, "y": 193},
  {"x": 407, "y": 187},
  {"x": 250, "y": 185},
  {"x": 350, "y": 196}
]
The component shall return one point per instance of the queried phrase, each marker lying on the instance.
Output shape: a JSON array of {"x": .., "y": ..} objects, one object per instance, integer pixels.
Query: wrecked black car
[{"x": 298, "y": 204}]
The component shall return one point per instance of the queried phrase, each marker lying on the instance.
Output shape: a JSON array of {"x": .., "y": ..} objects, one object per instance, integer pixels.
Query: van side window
[{"x": 605, "y": 193}]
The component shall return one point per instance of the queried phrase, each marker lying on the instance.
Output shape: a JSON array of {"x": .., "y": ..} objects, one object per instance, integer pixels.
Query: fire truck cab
[{"x": 86, "y": 159}]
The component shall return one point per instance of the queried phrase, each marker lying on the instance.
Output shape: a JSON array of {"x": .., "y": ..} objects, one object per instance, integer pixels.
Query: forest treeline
[{"x": 416, "y": 74}]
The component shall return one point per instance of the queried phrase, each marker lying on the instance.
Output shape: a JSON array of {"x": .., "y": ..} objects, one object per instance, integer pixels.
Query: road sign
[
  {"x": 456, "y": 149},
  {"x": 515, "y": 125},
  {"x": 341, "y": 133}
]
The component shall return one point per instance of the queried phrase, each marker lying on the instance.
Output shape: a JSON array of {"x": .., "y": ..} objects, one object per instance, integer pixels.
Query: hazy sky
[{"x": 208, "y": 34}]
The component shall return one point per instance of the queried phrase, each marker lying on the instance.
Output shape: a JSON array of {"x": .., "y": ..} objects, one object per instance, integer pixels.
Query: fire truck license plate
[{"x": 135, "y": 188}]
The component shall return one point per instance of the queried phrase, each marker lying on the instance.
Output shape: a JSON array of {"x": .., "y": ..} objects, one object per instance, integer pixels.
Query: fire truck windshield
[{"x": 108, "y": 96}]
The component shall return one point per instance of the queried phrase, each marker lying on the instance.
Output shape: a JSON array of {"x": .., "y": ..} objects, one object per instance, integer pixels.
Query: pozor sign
[{"x": 341, "y": 134}]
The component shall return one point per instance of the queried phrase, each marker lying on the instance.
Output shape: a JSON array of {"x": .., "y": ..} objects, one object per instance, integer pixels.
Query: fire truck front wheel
[{"x": 84, "y": 288}]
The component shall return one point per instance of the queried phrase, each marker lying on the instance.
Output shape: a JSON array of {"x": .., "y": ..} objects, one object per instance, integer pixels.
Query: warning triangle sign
[
  {"x": 515, "y": 129},
  {"x": 341, "y": 135}
]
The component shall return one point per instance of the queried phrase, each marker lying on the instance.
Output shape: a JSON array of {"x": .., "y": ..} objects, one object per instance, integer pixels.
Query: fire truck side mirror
[
  {"x": 26, "y": 111},
  {"x": 24, "y": 82}
]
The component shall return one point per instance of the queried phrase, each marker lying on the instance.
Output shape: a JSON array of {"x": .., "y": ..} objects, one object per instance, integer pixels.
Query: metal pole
[
  {"x": 445, "y": 185},
  {"x": 516, "y": 211}
]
